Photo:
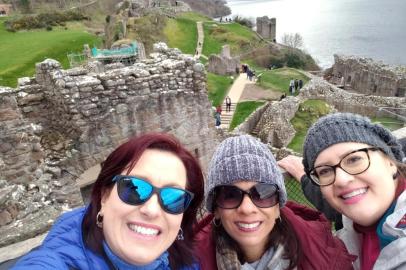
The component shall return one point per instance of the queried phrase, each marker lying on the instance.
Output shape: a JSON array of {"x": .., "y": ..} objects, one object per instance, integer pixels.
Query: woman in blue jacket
[{"x": 142, "y": 210}]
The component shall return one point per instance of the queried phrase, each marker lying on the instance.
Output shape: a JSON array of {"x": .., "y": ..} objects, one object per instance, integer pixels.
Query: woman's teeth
[
  {"x": 143, "y": 230},
  {"x": 354, "y": 193},
  {"x": 248, "y": 225}
]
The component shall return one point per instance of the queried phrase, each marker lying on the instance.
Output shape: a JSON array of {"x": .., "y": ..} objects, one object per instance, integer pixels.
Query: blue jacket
[{"x": 63, "y": 248}]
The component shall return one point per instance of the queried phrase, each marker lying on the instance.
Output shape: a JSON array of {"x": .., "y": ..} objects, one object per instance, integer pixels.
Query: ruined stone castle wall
[
  {"x": 275, "y": 128},
  {"x": 363, "y": 75},
  {"x": 60, "y": 123},
  {"x": 266, "y": 27}
]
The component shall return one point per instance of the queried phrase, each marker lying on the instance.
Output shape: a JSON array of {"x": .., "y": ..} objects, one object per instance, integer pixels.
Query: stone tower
[{"x": 266, "y": 27}]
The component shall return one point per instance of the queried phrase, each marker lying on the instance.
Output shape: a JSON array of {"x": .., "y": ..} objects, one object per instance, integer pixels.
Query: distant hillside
[{"x": 212, "y": 8}]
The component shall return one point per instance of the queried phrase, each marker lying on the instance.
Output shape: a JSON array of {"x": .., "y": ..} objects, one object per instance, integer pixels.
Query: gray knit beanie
[
  {"x": 347, "y": 127},
  {"x": 243, "y": 158}
]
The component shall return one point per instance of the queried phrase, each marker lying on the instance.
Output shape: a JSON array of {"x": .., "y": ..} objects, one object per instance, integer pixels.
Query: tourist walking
[
  {"x": 292, "y": 87},
  {"x": 251, "y": 225},
  {"x": 217, "y": 118},
  {"x": 300, "y": 84},
  {"x": 141, "y": 214},
  {"x": 358, "y": 166},
  {"x": 228, "y": 104}
]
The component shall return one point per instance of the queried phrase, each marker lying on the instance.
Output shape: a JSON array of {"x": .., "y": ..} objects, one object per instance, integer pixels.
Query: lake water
[{"x": 368, "y": 28}]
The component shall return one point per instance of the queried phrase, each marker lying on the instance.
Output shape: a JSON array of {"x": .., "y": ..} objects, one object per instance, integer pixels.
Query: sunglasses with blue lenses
[{"x": 136, "y": 191}]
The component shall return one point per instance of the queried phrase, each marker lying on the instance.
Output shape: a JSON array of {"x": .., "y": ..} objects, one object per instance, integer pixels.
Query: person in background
[
  {"x": 141, "y": 215},
  {"x": 357, "y": 165},
  {"x": 228, "y": 104},
  {"x": 292, "y": 87},
  {"x": 251, "y": 225}
]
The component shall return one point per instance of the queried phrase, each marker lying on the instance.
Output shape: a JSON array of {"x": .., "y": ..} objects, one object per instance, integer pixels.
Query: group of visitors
[
  {"x": 144, "y": 206},
  {"x": 295, "y": 85},
  {"x": 226, "y": 19},
  {"x": 250, "y": 73}
]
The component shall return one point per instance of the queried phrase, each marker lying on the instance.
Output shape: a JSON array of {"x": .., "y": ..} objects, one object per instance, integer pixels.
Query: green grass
[
  {"x": 240, "y": 38},
  {"x": 193, "y": 16},
  {"x": 218, "y": 86},
  {"x": 295, "y": 193},
  {"x": 278, "y": 79},
  {"x": 181, "y": 33},
  {"x": 308, "y": 113},
  {"x": 243, "y": 110},
  {"x": 389, "y": 122},
  {"x": 21, "y": 50}
]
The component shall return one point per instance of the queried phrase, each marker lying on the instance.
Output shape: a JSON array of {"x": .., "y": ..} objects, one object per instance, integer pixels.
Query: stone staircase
[{"x": 226, "y": 117}]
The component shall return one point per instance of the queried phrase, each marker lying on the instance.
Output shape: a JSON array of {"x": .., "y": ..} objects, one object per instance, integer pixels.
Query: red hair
[{"x": 124, "y": 158}]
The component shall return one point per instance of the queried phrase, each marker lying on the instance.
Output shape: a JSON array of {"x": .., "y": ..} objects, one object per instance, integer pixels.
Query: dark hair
[
  {"x": 125, "y": 157},
  {"x": 282, "y": 233}
]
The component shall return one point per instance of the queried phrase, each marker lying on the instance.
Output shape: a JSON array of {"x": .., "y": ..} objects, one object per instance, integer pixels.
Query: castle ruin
[
  {"x": 266, "y": 27},
  {"x": 366, "y": 76},
  {"x": 57, "y": 125}
]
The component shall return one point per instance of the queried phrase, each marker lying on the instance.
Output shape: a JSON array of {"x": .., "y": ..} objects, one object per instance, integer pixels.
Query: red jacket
[{"x": 321, "y": 250}]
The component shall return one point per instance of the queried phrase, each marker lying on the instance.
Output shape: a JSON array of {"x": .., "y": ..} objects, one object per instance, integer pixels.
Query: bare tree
[{"x": 292, "y": 40}]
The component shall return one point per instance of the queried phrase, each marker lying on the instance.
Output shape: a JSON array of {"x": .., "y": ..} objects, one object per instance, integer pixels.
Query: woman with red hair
[{"x": 141, "y": 215}]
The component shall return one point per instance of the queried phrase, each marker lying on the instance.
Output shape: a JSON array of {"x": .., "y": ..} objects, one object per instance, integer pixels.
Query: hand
[{"x": 293, "y": 165}]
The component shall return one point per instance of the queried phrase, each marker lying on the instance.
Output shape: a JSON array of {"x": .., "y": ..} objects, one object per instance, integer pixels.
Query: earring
[
  {"x": 180, "y": 235},
  {"x": 99, "y": 220},
  {"x": 280, "y": 219},
  {"x": 216, "y": 222}
]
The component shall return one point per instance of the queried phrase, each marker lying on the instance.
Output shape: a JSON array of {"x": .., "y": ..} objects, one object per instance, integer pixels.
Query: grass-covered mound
[
  {"x": 21, "y": 50},
  {"x": 307, "y": 114},
  {"x": 240, "y": 38},
  {"x": 218, "y": 86},
  {"x": 243, "y": 110},
  {"x": 279, "y": 79}
]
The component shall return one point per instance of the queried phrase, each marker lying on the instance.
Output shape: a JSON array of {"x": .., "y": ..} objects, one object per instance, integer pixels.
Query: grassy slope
[
  {"x": 240, "y": 38},
  {"x": 243, "y": 110},
  {"x": 181, "y": 32},
  {"x": 20, "y": 51},
  {"x": 278, "y": 79},
  {"x": 218, "y": 86}
]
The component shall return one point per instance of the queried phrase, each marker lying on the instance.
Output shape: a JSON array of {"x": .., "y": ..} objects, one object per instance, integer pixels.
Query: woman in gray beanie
[
  {"x": 357, "y": 165},
  {"x": 261, "y": 230}
]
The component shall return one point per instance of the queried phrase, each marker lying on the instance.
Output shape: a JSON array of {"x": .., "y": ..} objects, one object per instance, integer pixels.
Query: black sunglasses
[
  {"x": 262, "y": 195},
  {"x": 135, "y": 191}
]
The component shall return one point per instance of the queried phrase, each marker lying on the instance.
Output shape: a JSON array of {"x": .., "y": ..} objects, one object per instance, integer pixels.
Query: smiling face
[
  {"x": 365, "y": 197},
  {"x": 139, "y": 234},
  {"x": 249, "y": 225}
]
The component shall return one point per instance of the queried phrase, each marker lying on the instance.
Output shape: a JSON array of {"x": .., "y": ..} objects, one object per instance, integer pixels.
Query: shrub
[
  {"x": 294, "y": 60},
  {"x": 43, "y": 20},
  {"x": 48, "y": 28},
  {"x": 243, "y": 21}
]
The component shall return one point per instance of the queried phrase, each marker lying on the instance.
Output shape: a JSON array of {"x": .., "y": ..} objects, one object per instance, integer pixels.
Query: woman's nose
[
  {"x": 151, "y": 208},
  {"x": 247, "y": 206},
  {"x": 342, "y": 178}
]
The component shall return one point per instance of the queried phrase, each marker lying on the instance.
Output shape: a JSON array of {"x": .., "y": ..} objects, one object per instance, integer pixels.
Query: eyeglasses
[
  {"x": 355, "y": 162},
  {"x": 135, "y": 191},
  {"x": 262, "y": 195}
]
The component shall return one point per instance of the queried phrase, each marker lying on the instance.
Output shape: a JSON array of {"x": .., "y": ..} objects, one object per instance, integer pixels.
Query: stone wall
[
  {"x": 274, "y": 126},
  {"x": 251, "y": 122},
  {"x": 366, "y": 76},
  {"x": 223, "y": 64},
  {"x": 266, "y": 27},
  {"x": 62, "y": 122}
]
